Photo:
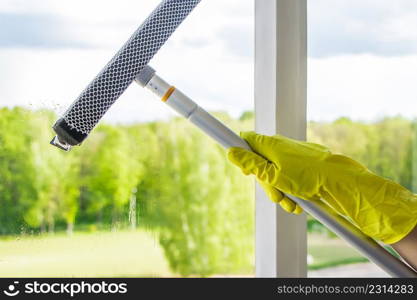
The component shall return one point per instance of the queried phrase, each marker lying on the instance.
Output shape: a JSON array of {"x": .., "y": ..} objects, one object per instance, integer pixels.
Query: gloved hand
[{"x": 381, "y": 208}]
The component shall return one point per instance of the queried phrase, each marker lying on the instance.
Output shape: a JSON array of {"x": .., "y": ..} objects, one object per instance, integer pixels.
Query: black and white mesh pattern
[{"x": 117, "y": 75}]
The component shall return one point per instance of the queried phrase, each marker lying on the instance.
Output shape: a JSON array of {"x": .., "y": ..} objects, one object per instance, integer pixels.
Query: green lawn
[
  {"x": 121, "y": 254},
  {"x": 100, "y": 254},
  {"x": 330, "y": 252}
]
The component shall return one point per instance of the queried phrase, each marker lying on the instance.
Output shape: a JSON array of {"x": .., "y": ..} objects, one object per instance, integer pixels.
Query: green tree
[
  {"x": 17, "y": 172},
  {"x": 203, "y": 205},
  {"x": 56, "y": 180},
  {"x": 109, "y": 173}
]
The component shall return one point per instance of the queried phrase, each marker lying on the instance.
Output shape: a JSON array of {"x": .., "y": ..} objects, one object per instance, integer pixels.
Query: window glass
[
  {"x": 361, "y": 103},
  {"x": 146, "y": 194}
]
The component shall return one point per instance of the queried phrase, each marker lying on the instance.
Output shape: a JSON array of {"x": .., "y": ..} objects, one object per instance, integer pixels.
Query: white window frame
[{"x": 280, "y": 107}]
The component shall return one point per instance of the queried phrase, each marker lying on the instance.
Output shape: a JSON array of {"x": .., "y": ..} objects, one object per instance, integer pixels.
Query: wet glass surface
[{"x": 146, "y": 194}]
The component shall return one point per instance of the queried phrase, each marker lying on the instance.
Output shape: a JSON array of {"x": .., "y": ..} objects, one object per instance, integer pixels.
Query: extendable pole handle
[{"x": 227, "y": 138}]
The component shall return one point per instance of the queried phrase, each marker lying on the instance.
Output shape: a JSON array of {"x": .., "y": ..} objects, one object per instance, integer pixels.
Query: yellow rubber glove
[{"x": 381, "y": 208}]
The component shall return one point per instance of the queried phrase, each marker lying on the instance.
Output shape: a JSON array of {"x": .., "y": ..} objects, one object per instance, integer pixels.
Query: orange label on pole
[{"x": 168, "y": 94}]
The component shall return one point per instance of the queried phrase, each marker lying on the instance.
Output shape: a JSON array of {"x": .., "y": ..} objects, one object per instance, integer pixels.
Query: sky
[{"x": 362, "y": 60}]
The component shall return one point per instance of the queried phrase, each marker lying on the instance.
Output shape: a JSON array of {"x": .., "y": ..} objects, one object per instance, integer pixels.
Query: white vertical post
[{"x": 280, "y": 107}]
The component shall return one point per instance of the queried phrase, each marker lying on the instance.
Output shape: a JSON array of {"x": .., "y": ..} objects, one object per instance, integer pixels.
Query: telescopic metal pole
[{"x": 227, "y": 138}]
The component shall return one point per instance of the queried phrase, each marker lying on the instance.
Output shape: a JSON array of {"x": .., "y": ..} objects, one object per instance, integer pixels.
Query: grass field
[
  {"x": 120, "y": 254},
  {"x": 330, "y": 252},
  {"x": 100, "y": 254}
]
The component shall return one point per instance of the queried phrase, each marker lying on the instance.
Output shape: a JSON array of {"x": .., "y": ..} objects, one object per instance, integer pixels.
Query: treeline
[
  {"x": 388, "y": 146},
  {"x": 165, "y": 176}
]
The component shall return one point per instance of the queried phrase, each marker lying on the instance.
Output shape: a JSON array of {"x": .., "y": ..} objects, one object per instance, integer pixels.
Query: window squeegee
[{"x": 131, "y": 63}]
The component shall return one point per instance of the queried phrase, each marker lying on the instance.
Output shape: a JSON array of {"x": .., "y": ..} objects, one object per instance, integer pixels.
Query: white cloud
[
  {"x": 215, "y": 77},
  {"x": 381, "y": 27},
  {"x": 362, "y": 87},
  {"x": 201, "y": 58},
  {"x": 110, "y": 23}
]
